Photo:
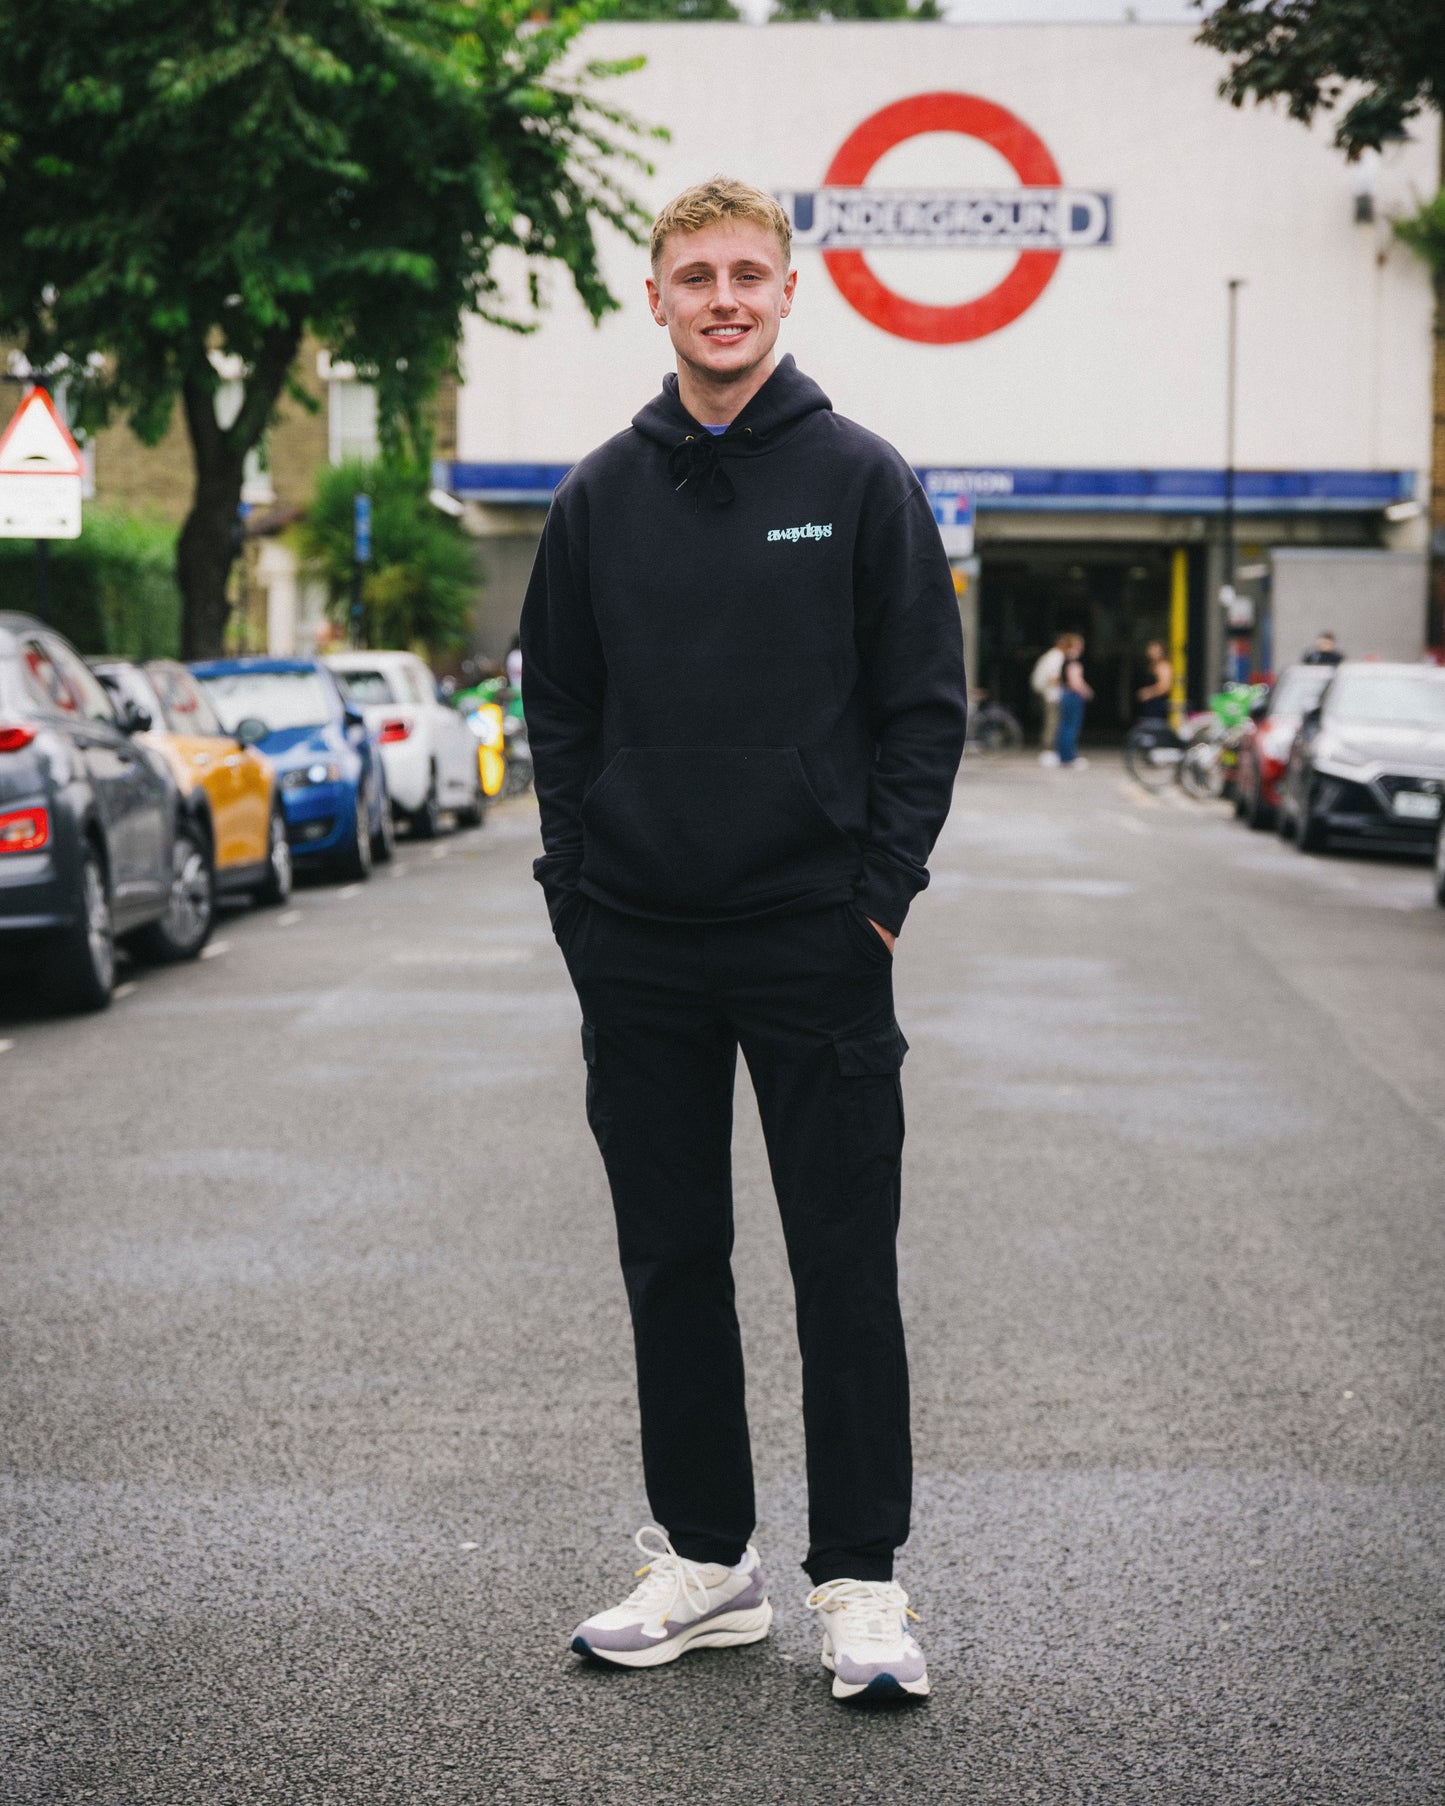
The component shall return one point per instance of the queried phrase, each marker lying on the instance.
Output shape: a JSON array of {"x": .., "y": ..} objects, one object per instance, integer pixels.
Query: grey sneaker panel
[
  {"x": 633, "y": 1636},
  {"x": 908, "y": 1667}
]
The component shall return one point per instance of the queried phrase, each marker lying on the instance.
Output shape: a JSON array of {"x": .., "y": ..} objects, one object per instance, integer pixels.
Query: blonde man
[{"x": 746, "y": 701}]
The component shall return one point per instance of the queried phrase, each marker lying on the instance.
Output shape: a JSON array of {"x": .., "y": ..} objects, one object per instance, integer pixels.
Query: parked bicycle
[
  {"x": 1203, "y": 760},
  {"x": 992, "y": 729}
]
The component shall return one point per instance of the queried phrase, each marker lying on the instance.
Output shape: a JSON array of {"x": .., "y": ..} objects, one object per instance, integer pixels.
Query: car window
[
  {"x": 43, "y": 683},
  {"x": 282, "y": 699},
  {"x": 422, "y": 688},
  {"x": 184, "y": 704},
  {"x": 1404, "y": 701},
  {"x": 84, "y": 685},
  {"x": 1299, "y": 689},
  {"x": 132, "y": 685},
  {"x": 364, "y": 686}
]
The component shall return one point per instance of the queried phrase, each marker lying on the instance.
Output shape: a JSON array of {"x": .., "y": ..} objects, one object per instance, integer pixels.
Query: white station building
[{"x": 1015, "y": 248}]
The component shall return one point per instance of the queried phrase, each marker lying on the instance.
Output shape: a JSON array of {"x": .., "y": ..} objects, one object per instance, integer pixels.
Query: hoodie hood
[{"x": 696, "y": 456}]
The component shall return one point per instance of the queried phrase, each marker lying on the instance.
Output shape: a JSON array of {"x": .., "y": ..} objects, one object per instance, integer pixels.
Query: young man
[{"x": 746, "y": 702}]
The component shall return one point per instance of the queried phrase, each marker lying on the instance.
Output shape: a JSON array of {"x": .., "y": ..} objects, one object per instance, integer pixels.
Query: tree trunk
[
  {"x": 209, "y": 542},
  {"x": 211, "y": 537}
]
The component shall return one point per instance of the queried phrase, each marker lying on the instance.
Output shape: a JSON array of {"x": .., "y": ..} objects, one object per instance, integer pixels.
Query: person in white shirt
[{"x": 1047, "y": 682}]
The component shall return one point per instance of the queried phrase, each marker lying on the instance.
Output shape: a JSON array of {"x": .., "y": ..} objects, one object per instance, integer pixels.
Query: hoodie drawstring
[{"x": 699, "y": 456}]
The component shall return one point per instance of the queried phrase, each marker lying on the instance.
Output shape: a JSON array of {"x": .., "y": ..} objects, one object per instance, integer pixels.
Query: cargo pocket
[
  {"x": 596, "y": 1111},
  {"x": 870, "y": 1104}
]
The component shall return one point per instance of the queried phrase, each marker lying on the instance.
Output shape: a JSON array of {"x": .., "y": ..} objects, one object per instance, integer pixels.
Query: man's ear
[
  {"x": 654, "y": 301},
  {"x": 789, "y": 284}
]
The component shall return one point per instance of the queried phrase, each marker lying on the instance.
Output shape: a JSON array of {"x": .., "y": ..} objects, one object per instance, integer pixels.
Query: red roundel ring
[{"x": 974, "y": 118}]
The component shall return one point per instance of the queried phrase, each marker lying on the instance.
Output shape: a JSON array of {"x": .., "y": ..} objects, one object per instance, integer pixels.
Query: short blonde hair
[{"x": 718, "y": 199}]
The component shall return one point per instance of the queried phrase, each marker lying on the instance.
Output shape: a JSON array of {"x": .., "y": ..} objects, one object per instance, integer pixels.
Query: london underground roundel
[{"x": 1041, "y": 219}]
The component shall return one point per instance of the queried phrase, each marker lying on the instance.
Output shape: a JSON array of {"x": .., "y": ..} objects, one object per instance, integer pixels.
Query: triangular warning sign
[{"x": 38, "y": 441}]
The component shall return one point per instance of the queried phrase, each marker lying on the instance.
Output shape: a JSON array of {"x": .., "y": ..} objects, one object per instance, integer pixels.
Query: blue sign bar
[
  {"x": 361, "y": 529},
  {"x": 1032, "y": 489}
]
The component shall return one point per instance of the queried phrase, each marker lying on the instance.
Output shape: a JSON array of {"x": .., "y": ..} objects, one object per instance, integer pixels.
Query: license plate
[{"x": 1417, "y": 805}]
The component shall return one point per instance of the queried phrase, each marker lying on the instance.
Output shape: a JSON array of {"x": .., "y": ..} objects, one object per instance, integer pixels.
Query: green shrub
[
  {"x": 419, "y": 589},
  {"x": 112, "y": 590}
]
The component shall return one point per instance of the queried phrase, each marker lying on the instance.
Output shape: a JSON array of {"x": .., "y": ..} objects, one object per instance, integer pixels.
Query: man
[
  {"x": 1046, "y": 682},
  {"x": 746, "y": 703},
  {"x": 1325, "y": 651}
]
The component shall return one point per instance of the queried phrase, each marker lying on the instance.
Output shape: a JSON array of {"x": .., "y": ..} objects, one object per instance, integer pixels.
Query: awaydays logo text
[{"x": 811, "y": 531}]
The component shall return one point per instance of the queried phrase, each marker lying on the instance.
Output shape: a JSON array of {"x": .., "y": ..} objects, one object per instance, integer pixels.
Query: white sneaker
[
  {"x": 1048, "y": 758},
  {"x": 680, "y": 1605},
  {"x": 1077, "y": 763},
  {"x": 867, "y": 1646}
]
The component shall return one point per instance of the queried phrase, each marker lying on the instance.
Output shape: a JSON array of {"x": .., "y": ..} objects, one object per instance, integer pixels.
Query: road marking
[
  {"x": 348, "y": 890},
  {"x": 399, "y": 870},
  {"x": 289, "y": 917},
  {"x": 215, "y": 949},
  {"x": 5, "y": 1046},
  {"x": 128, "y": 989},
  {"x": 1130, "y": 823},
  {"x": 439, "y": 852},
  {"x": 1138, "y": 795}
]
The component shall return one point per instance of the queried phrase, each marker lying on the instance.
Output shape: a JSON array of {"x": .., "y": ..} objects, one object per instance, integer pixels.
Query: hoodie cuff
[
  {"x": 557, "y": 873},
  {"x": 885, "y": 894}
]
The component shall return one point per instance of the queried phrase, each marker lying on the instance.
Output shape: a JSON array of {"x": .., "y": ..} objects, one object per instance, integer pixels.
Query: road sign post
[
  {"x": 41, "y": 471},
  {"x": 360, "y": 556}
]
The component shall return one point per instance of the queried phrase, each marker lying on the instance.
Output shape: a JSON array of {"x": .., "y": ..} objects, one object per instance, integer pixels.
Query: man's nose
[{"x": 723, "y": 299}]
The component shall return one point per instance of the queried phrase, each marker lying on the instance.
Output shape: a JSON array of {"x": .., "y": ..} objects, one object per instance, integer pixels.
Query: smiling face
[{"x": 722, "y": 294}]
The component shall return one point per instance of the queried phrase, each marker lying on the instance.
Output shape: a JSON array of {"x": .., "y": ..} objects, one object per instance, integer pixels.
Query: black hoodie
[{"x": 743, "y": 667}]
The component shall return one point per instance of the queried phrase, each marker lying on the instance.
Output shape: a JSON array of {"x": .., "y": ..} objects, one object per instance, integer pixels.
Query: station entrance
[{"x": 1117, "y": 596}]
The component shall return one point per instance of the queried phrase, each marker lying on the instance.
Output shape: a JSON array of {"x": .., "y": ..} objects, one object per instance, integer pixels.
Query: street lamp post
[{"x": 1226, "y": 588}]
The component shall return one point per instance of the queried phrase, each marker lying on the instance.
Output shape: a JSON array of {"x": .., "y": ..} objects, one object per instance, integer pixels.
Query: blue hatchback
[{"x": 328, "y": 770}]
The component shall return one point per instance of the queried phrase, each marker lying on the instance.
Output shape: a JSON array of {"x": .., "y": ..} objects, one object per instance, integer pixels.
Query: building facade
[{"x": 1015, "y": 247}]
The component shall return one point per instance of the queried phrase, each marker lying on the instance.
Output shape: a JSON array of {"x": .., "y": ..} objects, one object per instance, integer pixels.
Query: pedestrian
[
  {"x": 1045, "y": 681},
  {"x": 1325, "y": 651},
  {"x": 1154, "y": 696},
  {"x": 731, "y": 846},
  {"x": 1074, "y": 693}
]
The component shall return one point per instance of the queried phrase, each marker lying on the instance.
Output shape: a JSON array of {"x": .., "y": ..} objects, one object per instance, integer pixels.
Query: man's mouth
[{"x": 725, "y": 333}]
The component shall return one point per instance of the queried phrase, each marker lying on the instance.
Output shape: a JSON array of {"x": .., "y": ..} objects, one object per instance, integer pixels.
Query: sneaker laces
[
  {"x": 667, "y": 1578},
  {"x": 875, "y": 1609}
]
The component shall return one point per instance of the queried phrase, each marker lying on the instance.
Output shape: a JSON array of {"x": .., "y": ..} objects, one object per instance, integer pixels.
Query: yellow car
[{"x": 230, "y": 785}]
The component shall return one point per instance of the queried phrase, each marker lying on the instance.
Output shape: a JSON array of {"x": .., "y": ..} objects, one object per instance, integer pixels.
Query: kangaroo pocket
[{"x": 710, "y": 831}]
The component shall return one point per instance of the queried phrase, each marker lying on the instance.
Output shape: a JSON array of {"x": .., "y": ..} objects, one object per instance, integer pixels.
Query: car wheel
[
  {"x": 1440, "y": 868},
  {"x": 426, "y": 820},
  {"x": 78, "y": 969},
  {"x": 383, "y": 842},
  {"x": 280, "y": 874},
  {"x": 355, "y": 862},
  {"x": 1257, "y": 812},
  {"x": 475, "y": 812},
  {"x": 190, "y": 903},
  {"x": 1311, "y": 835}
]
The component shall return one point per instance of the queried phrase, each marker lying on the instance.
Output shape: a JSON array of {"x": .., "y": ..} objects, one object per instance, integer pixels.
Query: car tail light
[
  {"x": 15, "y": 736},
  {"x": 392, "y": 731},
  {"x": 24, "y": 830}
]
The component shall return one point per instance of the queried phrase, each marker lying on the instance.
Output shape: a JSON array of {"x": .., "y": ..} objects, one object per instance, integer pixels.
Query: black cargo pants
[{"x": 809, "y": 999}]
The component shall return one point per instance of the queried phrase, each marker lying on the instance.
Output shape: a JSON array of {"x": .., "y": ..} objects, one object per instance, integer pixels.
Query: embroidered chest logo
[{"x": 810, "y": 531}]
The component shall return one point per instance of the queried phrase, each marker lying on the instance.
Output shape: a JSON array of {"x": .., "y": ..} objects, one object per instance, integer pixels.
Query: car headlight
[{"x": 322, "y": 772}]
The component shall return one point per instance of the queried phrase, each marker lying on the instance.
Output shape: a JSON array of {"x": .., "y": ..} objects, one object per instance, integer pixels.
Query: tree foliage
[
  {"x": 224, "y": 176},
  {"x": 1384, "y": 58},
  {"x": 422, "y": 580}
]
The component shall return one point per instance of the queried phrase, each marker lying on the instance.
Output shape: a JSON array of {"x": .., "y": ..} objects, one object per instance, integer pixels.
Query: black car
[
  {"x": 94, "y": 840},
  {"x": 1369, "y": 760}
]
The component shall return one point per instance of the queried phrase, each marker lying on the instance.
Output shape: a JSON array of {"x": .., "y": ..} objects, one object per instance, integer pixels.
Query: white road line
[
  {"x": 399, "y": 871},
  {"x": 5, "y": 1046},
  {"x": 288, "y": 918},
  {"x": 128, "y": 989},
  {"x": 348, "y": 890},
  {"x": 440, "y": 852},
  {"x": 1130, "y": 823},
  {"x": 215, "y": 949}
]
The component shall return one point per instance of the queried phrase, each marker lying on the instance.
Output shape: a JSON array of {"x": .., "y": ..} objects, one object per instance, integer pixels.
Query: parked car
[
  {"x": 429, "y": 752},
  {"x": 1265, "y": 740},
  {"x": 1440, "y": 866},
  {"x": 230, "y": 787},
  {"x": 333, "y": 787},
  {"x": 1369, "y": 760},
  {"x": 96, "y": 842}
]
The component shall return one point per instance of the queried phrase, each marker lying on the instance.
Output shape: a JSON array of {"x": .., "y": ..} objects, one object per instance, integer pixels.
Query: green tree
[
  {"x": 178, "y": 182},
  {"x": 420, "y": 584}
]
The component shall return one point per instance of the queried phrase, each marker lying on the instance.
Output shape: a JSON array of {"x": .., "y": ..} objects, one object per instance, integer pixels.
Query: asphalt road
[{"x": 317, "y": 1420}]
